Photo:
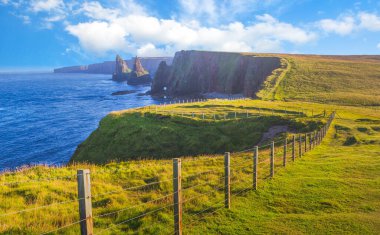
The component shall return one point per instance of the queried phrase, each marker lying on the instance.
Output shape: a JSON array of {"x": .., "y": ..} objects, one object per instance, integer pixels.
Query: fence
[
  {"x": 160, "y": 109},
  {"x": 262, "y": 168}
]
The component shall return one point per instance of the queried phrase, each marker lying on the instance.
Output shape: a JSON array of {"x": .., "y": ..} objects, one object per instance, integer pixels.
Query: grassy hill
[
  {"x": 186, "y": 129},
  {"x": 349, "y": 80},
  {"x": 332, "y": 189}
]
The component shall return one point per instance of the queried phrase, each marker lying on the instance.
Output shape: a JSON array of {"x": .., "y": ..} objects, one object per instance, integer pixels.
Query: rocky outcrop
[
  {"x": 139, "y": 75},
  {"x": 108, "y": 67},
  {"x": 199, "y": 72},
  {"x": 121, "y": 70}
]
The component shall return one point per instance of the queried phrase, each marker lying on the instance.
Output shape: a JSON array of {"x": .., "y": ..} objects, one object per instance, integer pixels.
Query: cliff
[
  {"x": 200, "y": 72},
  {"x": 108, "y": 67}
]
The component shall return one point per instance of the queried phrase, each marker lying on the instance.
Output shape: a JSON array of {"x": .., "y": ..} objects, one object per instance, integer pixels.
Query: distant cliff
[
  {"x": 200, "y": 72},
  {"x": 108, "y": 67}
]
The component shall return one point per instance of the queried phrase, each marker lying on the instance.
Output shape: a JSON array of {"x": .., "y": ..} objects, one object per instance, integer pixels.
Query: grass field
[
  {"x": 348, "y": 80},
  {"x": 186, "y": 130},
  {"x": 334, "y": 189}
]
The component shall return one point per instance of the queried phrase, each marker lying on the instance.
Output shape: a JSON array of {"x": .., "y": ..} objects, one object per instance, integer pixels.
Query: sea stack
[
  {"x": 121, "y": 70},
  {"x": 139, "y": 75}
]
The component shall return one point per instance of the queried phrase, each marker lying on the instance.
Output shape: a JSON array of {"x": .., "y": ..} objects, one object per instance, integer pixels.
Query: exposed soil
[{"x": 272, "y": 132}]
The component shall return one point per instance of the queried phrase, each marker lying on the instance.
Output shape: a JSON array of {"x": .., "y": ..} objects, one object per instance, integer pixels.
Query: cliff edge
[{"x": 200, "y": 72}]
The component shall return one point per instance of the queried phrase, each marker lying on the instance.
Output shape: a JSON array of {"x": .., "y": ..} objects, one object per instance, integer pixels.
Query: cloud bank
[{"x": 111, "y": 30}]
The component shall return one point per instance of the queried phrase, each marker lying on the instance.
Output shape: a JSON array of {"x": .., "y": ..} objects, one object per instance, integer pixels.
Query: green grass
[
  {"x": 130, "y": 135},
  {"x": 348, "y": 80},
  {"x": 333, "y": 189}
]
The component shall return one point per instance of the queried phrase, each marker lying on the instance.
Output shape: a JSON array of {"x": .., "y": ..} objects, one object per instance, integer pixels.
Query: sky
[{"x": 39, "y": 34}]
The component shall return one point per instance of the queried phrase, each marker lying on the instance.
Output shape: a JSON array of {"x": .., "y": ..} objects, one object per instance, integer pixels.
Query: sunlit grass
[{"x": 333, "y": 189}]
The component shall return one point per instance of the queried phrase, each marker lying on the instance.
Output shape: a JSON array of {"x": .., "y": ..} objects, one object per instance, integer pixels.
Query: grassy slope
[
  {"x": 327, "y": 191},
  {"x": 349, "y": 80},
  {"x": 154, "y": 135},
  {"x": 334, "y": 189}
]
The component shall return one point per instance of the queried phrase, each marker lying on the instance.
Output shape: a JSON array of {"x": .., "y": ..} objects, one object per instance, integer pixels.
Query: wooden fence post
[
  {"x": 294, "y": 148},
  {"x": 255, "y": 165},
  {"x": 315, "y": 139},
  {"x": 85, "y": 204},
  {"x": 285, "y": 148},
  {"x": 305, "y": 142},
  {"x": 272, "y": 160},
  {"x": 300, "y": 145},
  {"x": 310, "y": 141},
  {"x": 177, "y": 189},
  {"x": 227, "y": 181}
]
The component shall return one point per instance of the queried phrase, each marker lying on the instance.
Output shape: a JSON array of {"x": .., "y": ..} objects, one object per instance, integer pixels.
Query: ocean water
[{"x": 44, "y": 116}]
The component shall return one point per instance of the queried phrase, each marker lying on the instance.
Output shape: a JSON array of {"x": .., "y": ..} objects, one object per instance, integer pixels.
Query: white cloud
[
  {"x": 99, "y": 37},
  {"x": 151, "y": 50},
  {"x": 369, "y": 21},
  {"x": 221, "y": 11},
  {"x": 46, "y": 5},
  {"x": 144, "y": 34},
  {"x": 205, "y": 9},
  {"x": 345, "y": 25},
  {"x": 95, "y": 10},
  {"x": 4, "y": 2},
  {"x": 378, "y": 45},
  {"x": 341, "y": 26}
]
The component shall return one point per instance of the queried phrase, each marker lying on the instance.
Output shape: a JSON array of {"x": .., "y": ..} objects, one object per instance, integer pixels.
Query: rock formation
[
  {"x": 121, "y": 70},
  {"x": 138, "y": 75},
  {"x": 108, "y": 67},
  {"x": 196, "y": 73}
]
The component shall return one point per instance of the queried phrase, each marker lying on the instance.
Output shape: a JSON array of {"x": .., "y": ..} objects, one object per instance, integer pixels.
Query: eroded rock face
[
  {"x": 121, "y": 70},
  {"x": 200, "y": 72},
  {"x": 139, "y": 75}
]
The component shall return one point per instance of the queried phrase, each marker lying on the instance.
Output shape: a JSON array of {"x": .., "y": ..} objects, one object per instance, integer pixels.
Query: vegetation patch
[
  {"x": 341, "y": 128},
  {"x": 135, "y": 135},
  {"x": 362, "y": 129},
  {"x": 350, "y": 140}
]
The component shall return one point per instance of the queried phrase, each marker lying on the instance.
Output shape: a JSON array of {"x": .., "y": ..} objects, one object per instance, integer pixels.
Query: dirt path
[{"x": 272, "y": 132}]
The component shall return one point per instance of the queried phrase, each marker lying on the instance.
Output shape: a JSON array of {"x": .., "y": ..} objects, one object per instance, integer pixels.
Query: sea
[{"x": 44, "y": 116}]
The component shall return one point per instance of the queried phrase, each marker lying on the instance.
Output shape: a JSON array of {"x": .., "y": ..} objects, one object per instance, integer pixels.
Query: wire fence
[{"x": 223, "y": 181}]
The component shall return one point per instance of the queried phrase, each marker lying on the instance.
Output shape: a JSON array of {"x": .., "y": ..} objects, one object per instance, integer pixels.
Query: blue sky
[{"x": 39, "y": 34}]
